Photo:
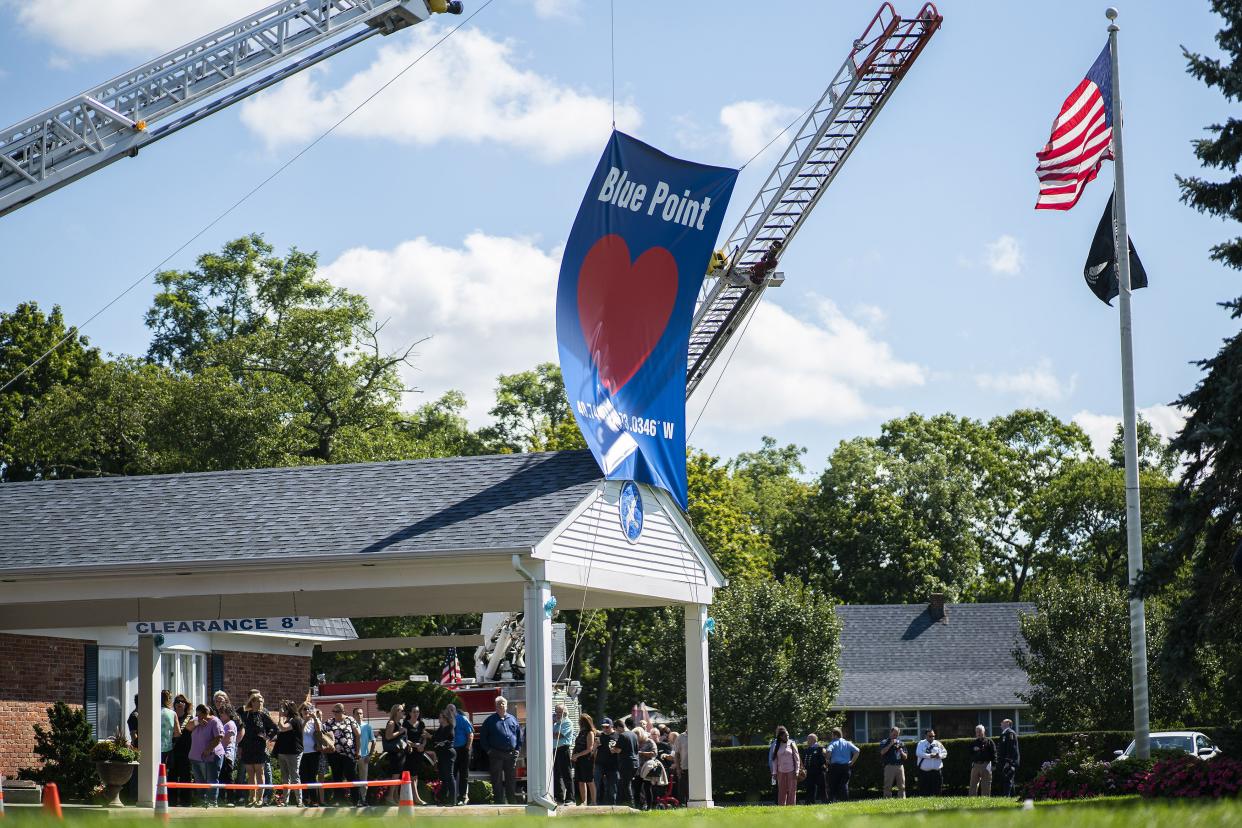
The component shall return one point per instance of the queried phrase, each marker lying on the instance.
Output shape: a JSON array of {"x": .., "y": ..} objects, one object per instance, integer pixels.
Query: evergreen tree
[{"x": 1206, "y": 510}]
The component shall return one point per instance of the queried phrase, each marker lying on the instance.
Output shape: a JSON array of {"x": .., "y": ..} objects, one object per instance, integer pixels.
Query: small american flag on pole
[
  {"x": 1081, "y": 139},
  {"x": 450, "y": 676}
]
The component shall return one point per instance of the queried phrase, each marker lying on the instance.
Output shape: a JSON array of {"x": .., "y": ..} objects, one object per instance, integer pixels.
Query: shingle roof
[
  {"x": 896, "y": 656},
  {"x": 339, "y": 628},
  {"x": 409, "y": 507}
]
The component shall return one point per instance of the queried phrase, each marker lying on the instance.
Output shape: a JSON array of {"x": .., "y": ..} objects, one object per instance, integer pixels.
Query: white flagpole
[{"x": 1134, "y": 526}]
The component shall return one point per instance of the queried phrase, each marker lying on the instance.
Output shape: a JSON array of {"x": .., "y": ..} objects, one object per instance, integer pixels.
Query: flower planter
[{"x": 115, "y": 775}]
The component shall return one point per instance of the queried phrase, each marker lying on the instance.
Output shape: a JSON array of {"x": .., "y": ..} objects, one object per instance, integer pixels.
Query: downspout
[{"x": 543, "y": 800}]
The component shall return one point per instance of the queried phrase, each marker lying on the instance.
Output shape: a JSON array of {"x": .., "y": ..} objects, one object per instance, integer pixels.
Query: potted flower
[{"x": 115, "y": 762}]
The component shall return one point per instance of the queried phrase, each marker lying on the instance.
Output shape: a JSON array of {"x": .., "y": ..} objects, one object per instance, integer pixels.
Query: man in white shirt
[{"x": 930, "y": 755}]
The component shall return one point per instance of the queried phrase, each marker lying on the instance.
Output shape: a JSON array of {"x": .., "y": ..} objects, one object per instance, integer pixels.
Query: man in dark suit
[{"x": 1008, "y": 757}]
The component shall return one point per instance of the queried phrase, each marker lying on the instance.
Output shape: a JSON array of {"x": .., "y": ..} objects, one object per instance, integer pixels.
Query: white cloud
[
  {"x": 488, "y": 307},
  {"x": 750, "y": 125},
  {"x": 467, "y": 90},
  {"x": 872, "y": 316},
  {"x": 1003, "y": 256},
  {"x": 1036, "y": 384},
  {"x": 1166, "y": 420},
  {"x": 789, "y": 369},
  {"x": 89, "y": 28},
  {"x": 556, "y": 8}
]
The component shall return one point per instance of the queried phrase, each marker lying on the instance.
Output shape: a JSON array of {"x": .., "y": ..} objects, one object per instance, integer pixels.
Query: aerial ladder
[
  {"x": 116, "y": 119},
  {"x": 745, "y": 265}
]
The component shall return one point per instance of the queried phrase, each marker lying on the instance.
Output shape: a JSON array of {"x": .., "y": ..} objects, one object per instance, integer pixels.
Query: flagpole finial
[{"x": 1111, "y": 13}]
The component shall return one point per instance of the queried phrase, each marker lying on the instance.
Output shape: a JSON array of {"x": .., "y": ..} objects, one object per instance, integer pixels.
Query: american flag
[
  {"x": 1081, "y": 139},
  {"x": 450, "y": 676}
]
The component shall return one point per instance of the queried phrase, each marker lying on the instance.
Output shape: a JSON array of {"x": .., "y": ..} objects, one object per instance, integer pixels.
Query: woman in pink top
[{"x": 784, "y": 763}]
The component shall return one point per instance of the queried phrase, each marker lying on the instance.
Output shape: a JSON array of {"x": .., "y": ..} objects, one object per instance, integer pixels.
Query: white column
[
  {"x": 538, "y": 698},
  {"x": 698, "y": 707},
  {"x": 149, "y": 685}
]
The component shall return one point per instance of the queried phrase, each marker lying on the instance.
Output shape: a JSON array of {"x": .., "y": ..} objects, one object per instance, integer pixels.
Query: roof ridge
[{"x": 307, "y": 468}]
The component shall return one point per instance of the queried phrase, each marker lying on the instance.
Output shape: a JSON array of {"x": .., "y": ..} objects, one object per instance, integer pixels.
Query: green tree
[
  {"x": 717, "y": 513},
  {"x": 1077, "y": 657},
  {"x": 532, "y": 413},
  {"x": 1018, "y": 457},
  {"x": 771, "y": 490},
  {"x": 1194, "y": 570},
  {"x": 278, "y": 328},
  {"x": 774, "y": 658},
  {"x": 439, "y": 429},
  {"x": 399, "y": 664},
  {"x": 895, "y": 517},
  {"x": 25, "y": 335},
  {"x": 132, "y": 417}
]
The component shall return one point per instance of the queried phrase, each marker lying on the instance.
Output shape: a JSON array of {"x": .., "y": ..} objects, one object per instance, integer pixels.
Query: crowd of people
[
  {"x": 827, "y": 768},
  {"x": 610, "y": 764},
  {"x": 644, "y": 766},
  {"x": 218, "y": 743}
]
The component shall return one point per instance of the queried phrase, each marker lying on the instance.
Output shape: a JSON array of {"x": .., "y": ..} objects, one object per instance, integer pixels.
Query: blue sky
[{"x": 924, "y": 281}]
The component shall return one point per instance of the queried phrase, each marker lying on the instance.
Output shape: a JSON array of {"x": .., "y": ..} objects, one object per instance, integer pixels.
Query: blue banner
[{"x": 632, "y": 267}]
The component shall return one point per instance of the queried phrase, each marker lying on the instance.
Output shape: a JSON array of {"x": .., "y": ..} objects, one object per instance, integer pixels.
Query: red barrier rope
[{"x": 231, "y": 786}]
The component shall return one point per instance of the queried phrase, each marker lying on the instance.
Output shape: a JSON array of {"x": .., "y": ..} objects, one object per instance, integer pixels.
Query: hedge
[
  {"x": 428, "y": 696},
  {"x": 741, "y": 773}
]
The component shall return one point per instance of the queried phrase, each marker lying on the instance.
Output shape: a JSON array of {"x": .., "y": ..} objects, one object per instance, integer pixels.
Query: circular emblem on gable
[{"x": 630, "y": 511}]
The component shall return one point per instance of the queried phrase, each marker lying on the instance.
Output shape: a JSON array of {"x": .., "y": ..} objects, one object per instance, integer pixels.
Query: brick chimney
[{"x": 935, "y": 607}]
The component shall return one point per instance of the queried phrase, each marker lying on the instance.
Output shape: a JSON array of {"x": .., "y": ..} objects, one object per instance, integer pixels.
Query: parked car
[{"x": 1190, "y": 741}]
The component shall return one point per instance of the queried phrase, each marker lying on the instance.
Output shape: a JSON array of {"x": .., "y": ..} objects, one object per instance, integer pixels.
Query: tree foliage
[
  {"x": 1077, "y": 657},
  {"x": 774, "y": 658},
  {"x": 26, "y": 334},
  {"x": 1205, "y": 513},
  {"x": 279, "y": 329}
]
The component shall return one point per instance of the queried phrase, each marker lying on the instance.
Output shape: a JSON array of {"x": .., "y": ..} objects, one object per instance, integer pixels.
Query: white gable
[{"x": 667, "y": 549}]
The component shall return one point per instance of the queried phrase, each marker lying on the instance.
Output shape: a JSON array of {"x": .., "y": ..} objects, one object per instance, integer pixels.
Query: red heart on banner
[{"x": 624, "y": 306}]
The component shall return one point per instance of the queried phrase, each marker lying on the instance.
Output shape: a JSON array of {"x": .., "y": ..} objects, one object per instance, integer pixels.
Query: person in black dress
[
  {"x": 584, "y": 760},
  {"x": 416, "y": 760},
  {"x": 395, "y": 740},
  {"x": 252, "y": 749},
  {"x": 441, "y": 740},
  {"x": 181, "y": 768}
]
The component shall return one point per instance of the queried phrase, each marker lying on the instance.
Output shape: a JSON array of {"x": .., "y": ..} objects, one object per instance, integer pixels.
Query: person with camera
[
  {"x": 893, "y": 757},
  {"x": 289, "y": 751},
  {"x": 308, "y": 764},
  {"x": 930, "y": 755}
]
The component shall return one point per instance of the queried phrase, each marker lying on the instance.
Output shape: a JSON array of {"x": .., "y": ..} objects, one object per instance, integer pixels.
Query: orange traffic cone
[
  {"x": 406, "y": 805},
  {"x": 51, "y": 800},
  {"x": 1, "y": 796},
  {"x": 161, "y": 794}
]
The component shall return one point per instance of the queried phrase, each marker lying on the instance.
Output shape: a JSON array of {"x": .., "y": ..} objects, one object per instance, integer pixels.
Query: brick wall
[
  {"x": 35, "y": 672},
  {"x": 275, "y": 676}
]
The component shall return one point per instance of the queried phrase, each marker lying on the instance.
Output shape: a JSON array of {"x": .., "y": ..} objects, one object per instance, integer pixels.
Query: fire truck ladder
[
  {"x": 61, "y": 144},
  {"x": 878, "y": 61}
]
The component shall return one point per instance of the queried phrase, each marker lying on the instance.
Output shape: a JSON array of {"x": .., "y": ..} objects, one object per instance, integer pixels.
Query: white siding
[{"x": 594, "y": 539}]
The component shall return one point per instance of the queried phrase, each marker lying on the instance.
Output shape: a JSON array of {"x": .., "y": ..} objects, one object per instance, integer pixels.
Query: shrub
[
  {"x": 65, "y": 750},
  {"x": 480, "y": 792},
  {"x": 1187, "y": 776},
  {"x": 1071, "y": 778},
  {"x": 430, "y": 698}
]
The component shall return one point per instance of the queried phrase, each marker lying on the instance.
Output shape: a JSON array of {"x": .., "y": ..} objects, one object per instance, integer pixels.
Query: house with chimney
[{"x": 944, "y": 666}]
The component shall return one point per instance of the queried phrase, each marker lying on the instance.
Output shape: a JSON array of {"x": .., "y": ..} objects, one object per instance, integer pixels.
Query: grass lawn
[{"x": 947, "y": 812}]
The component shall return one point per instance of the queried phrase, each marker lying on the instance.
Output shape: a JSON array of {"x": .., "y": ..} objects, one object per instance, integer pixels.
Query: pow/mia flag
[{"x": 1100, "y": 271}]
